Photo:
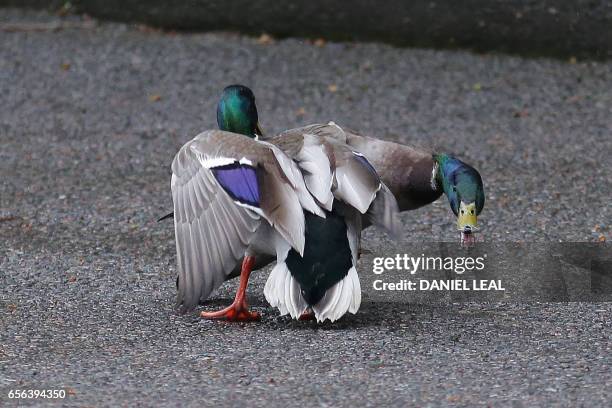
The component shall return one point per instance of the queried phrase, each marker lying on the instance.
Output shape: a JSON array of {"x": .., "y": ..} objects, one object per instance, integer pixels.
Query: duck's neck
[{"x": 443, "y": 166}]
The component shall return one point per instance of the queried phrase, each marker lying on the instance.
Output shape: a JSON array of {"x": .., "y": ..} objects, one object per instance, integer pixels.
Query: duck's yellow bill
[{"x": 467, "y": 217}]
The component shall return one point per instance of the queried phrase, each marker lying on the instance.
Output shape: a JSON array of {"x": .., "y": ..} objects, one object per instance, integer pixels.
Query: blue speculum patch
[
  {"x": 239, "y": 181},
  {"x": 365, "y": 161}
]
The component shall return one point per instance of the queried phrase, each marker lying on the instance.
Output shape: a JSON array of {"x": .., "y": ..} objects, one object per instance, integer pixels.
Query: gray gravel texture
[{"x": 90, "y": 121}]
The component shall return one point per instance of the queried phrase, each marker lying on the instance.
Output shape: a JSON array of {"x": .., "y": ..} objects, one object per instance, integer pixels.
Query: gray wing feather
[
  {"x": 212, "y": 233},
  {"x": 316, "y": 164},
  {"x": 329, "y": 130},
  {"x": 384, "y": 212},
  {"x": 355, "y": 184},
  {"x": 314, "y": 160}
]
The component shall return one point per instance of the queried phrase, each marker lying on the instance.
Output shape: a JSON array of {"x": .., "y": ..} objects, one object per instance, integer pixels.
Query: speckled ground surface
[{"x": 90, "y": 121}]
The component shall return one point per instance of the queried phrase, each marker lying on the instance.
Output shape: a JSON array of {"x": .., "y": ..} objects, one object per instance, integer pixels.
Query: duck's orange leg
[{"x": 239, "y": 309}]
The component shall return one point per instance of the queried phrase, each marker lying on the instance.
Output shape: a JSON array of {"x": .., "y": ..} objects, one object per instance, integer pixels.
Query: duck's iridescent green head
[
  {"x": 463, "y": 187},
  {"x": 236, "y": 111}
]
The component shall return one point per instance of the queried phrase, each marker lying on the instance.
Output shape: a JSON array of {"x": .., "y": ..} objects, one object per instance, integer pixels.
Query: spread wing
[
  {"x": 223, "y": 186},
  {"x": 353, "y": 179}
]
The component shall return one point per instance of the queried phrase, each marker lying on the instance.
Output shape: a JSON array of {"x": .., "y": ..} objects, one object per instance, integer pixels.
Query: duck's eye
[
  {"x": 472, "y": 212},
  {"x": 462, "y": 212}
]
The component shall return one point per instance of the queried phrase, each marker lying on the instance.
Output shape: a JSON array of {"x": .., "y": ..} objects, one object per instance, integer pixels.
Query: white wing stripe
[{"x": 210, "y": 162}]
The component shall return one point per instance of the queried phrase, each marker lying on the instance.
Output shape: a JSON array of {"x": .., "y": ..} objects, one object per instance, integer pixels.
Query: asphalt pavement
[{"x": 91, "y": 117}]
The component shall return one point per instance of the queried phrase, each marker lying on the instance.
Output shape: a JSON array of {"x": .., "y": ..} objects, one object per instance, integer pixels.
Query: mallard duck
[
  {"x": 416, "y": 177},
  {"x": 224, "y": 186},
  {"x": 236, "y": 197}
]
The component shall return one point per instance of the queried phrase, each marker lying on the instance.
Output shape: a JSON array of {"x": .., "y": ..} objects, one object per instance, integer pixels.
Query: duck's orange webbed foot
[{"x": 236, "y": 312}]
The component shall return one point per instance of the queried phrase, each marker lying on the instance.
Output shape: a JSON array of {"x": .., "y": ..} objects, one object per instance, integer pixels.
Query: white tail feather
[
  {"x": 356, "y": 298},
  {"x": 283, "y": 292},
  {"x": 344, "y": 296}
]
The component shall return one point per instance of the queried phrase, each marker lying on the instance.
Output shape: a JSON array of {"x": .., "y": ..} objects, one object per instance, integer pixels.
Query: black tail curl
[{"x": 165, "y": 217}]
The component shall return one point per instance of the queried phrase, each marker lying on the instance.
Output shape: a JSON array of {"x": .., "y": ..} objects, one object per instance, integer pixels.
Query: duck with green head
[
  {"x": 417, "y": 177},
  {"x": 237, "y": 112},
  {"x": 463, "y": 187}
]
